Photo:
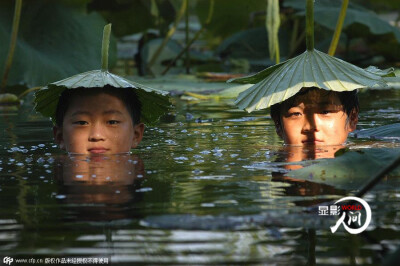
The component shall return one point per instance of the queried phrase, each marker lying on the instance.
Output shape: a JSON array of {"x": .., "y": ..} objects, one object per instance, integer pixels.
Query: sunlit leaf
[{"x": 389, "y": 72}]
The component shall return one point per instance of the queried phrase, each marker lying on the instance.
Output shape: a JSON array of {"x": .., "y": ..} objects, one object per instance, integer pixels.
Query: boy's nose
[
  {"x": 310, "y": 123},
  {"x": 96, "y": 133}
]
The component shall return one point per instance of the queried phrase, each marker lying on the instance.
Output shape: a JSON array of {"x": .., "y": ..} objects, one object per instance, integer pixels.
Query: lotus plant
[
  {"x": 154, "y": 102},
  {"x": 310, "y": 69}
]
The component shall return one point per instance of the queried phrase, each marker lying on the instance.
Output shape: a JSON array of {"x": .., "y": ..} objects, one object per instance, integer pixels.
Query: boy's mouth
[
  {"x": 97, "y": 150},
  {"x": 312, "y": 142}
]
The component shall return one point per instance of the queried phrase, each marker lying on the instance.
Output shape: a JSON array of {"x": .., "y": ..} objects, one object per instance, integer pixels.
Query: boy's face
[
  {"x": 316, "y": 118},
  {"x": 98, "y": 124}
]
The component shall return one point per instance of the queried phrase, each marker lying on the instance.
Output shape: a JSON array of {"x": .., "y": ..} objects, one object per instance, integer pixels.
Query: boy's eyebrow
[
  {"x": 80, "y": 113},
  {"x": 112, "y": 111}
]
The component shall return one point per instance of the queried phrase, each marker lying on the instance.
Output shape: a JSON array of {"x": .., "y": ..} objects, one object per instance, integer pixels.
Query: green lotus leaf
[
  {"x": 389, "y": 132},
  {"x": 310, "y": 69},
  {"x": 154, "y": 102},
  {"x": 351, "y": 170},
  {"x": 389, "y": 72}
]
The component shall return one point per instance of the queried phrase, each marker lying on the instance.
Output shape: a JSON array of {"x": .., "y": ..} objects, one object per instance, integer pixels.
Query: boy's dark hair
[
  {"x": 126, "y": 95},
  {"x": 349, "y": 100}
]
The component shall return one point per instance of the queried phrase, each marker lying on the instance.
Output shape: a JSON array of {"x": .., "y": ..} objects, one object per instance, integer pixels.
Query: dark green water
[{"x": 201, "y": 189}]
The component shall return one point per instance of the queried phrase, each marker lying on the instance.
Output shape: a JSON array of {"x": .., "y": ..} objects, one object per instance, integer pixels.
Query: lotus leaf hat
[{"x": 154, "y": 102}]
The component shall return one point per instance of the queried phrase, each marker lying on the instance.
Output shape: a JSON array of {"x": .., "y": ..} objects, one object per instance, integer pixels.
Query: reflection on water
[
  {"x": 210, "y": 187},
  {"x": 99, "y": 187},
  {"x": 310, "y": 152}
]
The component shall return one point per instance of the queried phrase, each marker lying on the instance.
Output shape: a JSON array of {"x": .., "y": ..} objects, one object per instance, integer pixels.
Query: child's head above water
[
  {"x": 316, "y": 117},
  {"x": 98, "y": 120}
]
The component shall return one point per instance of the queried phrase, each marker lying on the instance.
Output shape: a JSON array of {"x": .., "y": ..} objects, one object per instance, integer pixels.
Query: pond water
[{"x": 207, "y": 187}]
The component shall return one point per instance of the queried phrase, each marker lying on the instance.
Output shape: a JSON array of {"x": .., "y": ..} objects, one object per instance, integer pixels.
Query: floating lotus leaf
[
  {"x": 154, "y": 102},
  {"x": 310, "y": 69},
  {"x": 351, "y": 170},
  {"x": 389, "y": 132}
]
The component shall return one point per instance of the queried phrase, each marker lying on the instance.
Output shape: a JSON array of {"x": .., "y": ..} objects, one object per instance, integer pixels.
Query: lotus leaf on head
[
  {"x": 310, "y": 69},
  {"x": 154, "y": 102}
]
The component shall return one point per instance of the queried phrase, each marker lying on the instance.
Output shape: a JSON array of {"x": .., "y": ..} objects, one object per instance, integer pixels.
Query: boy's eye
[
  {"x": 81, "y": 123},
  {"x": 294, "y": 114},
  {"x": 113, "y": 122},
  {"x": 330, "y": 111}
]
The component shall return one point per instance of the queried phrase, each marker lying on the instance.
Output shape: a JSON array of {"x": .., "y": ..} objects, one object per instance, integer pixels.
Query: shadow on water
[{"x": 212, "y": 186}]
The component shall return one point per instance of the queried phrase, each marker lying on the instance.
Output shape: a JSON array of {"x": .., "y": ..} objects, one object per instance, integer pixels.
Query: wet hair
[
  {"x": 349, "y": 100},
  {"x": 126, "y": 95}
]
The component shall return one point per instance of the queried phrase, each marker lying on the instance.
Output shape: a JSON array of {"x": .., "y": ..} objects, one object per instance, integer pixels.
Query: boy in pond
[
  {"x": 97, "y": 112},
  {"x": 316, "y": 117},
  {"x": 106, "y": 119},
  {"x": 97, "y": 121}
]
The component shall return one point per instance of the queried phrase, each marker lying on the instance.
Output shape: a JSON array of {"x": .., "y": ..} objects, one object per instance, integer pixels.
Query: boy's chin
[
  {"x": 314, "y": 144},
  {"x": 98, "y": 154}
]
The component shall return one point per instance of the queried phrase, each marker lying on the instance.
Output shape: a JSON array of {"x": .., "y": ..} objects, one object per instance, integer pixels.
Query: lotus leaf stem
[
  {"x": 187, "y": 60},
  {"x": 338, "y": 30},
  {"x": 310, "y": 25},
  {"x": 197, "y": 35},
  {"x": 104, "y": 47},
  {"x": 171, "y": 31},
  {"x": 272, "y": 23},
  {"x": 26, "y": 92},
  {"x": 277, "y": 55}
]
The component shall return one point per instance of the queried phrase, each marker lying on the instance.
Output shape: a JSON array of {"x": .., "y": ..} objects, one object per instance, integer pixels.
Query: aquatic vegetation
[
  {"x": 272, "y": 23},
  {"x": 213, "y": 185},
  {"x": 233, "y": 208},
  {"x": 13, "y": 42},
  {"x": 310, "y": 69},
  {"x": 52, "y": 40},
  {"x": 389, "y": 132},
  {"x": 350, "y": 169}
]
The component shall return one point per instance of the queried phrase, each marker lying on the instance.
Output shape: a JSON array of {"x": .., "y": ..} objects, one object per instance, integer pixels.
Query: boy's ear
[
  {"x": 353, "y": 120},
  {"x": 58, "y": 137},
  {"x": 137, "y": 134}
]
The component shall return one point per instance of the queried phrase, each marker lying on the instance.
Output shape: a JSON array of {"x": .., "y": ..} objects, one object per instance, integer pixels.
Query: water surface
[{"x": 207, "y": 186}]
